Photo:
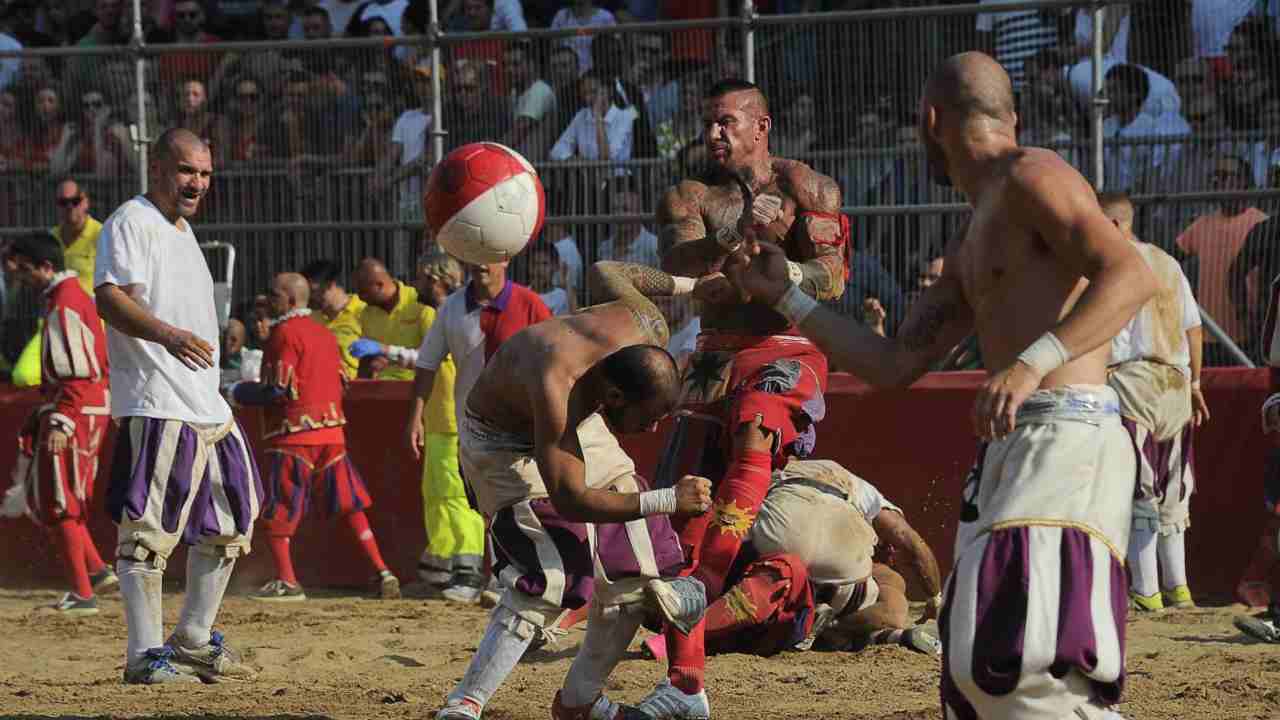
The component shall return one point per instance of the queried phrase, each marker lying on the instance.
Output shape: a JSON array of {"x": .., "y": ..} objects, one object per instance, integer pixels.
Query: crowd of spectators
[{"x": 611, "y": 118}]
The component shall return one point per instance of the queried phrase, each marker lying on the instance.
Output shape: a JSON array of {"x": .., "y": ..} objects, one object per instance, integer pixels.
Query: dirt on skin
[{"x": 339, "y": 656}]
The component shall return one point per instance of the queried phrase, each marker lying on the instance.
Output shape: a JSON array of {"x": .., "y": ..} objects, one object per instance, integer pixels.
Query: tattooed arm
[
  {"x": 682, "y": 235},
  {"x": 632, "y": 286},
  {"x": 818, "y": 238}
]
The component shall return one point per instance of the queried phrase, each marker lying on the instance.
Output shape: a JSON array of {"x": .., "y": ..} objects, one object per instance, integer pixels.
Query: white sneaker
[
  {"x": 668, "y": 702},
  {"x": 681, "y": 600},
  {"x": 464, "y": 709}
]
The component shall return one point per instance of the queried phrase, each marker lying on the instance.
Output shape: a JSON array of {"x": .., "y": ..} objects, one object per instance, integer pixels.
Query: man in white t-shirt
[
  {"x": 1155, "y": 369},
  {"x": 631, "y": 242},
  {"x": 183, "y": 471},
  {"x": 533, "y": 102}
]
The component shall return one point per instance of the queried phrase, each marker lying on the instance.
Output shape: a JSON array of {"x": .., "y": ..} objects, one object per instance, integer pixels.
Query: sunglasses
[{"x": 68, "y": 202}]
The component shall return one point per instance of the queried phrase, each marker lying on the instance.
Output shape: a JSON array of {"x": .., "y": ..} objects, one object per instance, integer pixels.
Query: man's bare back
[{"x": 549, "y": 358}]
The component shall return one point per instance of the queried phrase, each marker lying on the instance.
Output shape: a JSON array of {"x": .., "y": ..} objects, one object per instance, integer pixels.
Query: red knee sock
[
  {"x": 279, "y": 545},
  {"x": 359, "y": 525},
  {"x": 92, "y": 560},
  {"x": 738, "y": 499},
  {"x": 71, "y": 541}
]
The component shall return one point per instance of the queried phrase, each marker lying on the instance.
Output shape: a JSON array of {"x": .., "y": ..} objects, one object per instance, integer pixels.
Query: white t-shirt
[
  {"x": 455, "y": 332},
  {"x": 556, "y": 300},
  {"x": 535, "y": 102},
  {"x": 870, "y": 501},
  {"x": 579, "y": 139},
  {"x": 391, "y": 12},
  {"x": 643, "y": 250},
  {"x": 581, "y": 44},
  {"x": 567, "y": 249},
  {"x": 138, "y": 246},
  {"x": 410, "y": 132},
  {"x": 1136, "y": 339},
  {"x": 1212, "y": 22},
  {"x": 9, "y": 66},
  {"x": 507, "y": 16}
]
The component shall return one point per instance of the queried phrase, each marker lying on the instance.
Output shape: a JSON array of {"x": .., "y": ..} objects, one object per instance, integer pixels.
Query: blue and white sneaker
[
  {"x": 668, "y": 702},
  {"x": 104, "y": 580},
  {"x": 72, "y": 605},
  {"x": 212, "y": 662},
  {"x": 1261, "y": 626},
  {"x": 154, "y": 668},
  {"x": 682, "y": 600}
]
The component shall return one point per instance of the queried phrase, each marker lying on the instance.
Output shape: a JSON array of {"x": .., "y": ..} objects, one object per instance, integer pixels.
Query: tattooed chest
[{"x": 722, "y": 208}]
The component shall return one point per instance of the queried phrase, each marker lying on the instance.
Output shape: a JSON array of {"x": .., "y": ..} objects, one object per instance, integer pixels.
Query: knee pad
[
  {"x": 524, "y": 616},
  {"x": 137, "y": 552},
  {"x": 228, "y": 552}
]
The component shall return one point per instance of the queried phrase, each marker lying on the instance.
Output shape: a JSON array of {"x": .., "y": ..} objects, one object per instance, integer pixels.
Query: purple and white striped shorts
[
  {"x": 176, "y": 482},
  {"x": 1166, "y": 479}
]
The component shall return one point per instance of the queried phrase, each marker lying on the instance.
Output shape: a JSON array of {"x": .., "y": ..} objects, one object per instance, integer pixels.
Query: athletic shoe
[
  {"x": 602, "y": 709},
  {"x": 1145, "y": 603},
  {"x": 492, "y": 594},
  {"x": 154, "y": 668},
  {"x": 822, "y": 617},
  {"x": 72, "y": 605},
  {"x": 922, "y": 640},
  {"x": 430, "y": 575},
  {"x": 212, "y": 662},
  {"x": 386, "y": 585},
  {"x": 278, "y": 591},
  {"x": 104, "y": 580},
  {"x": 668, "y": 702},
  {"x": 464, "y": 587},
  {"x": 682, "y": 601},
  {"x": 1260, "y": 626},
  {"x": 464, "y": 709},
  {"x": 1179, "y": 597}
]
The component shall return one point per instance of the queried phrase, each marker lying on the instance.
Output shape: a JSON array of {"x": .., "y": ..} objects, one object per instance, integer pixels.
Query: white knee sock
[
  {"x": 495, "y": 658},
  {"x": 1173, "y": 560},
  {"x": 1142, "y": 562},
  {"x": 207, "y": 578},
  {"x": 140, "y": 588},
  {"x": 609, "y": 632}
]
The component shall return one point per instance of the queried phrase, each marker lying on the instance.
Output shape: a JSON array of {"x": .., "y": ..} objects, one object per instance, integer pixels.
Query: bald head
[
  {"x": 177, "y": 142},
  {"x": 296, "y": 287},
  {"x": 181, "y": 168},
  {"x": 375, "y": 285},
  {"x": 971, "y": 84},
  {"x": 1119, "y": 208}
]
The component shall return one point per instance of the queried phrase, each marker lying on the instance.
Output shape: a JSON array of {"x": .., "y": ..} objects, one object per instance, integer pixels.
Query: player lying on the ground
[
  {"x": 805, "y": 576},
  {"x": 59, "y": 443},
  {"x": 301, "y": 395},
  {"x": 572, "y": 523}
]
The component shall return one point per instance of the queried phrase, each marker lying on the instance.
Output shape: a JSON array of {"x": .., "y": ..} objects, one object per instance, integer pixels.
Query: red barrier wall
[{"x": 915, "y": 445}]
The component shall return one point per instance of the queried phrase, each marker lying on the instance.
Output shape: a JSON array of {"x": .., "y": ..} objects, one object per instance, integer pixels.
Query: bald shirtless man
[
  {"x": 1033, "y": 619},
  {"x": 753, "y": 389},
  {"x": 303, "y": 381},
  {"x": 571, "y": 522}
]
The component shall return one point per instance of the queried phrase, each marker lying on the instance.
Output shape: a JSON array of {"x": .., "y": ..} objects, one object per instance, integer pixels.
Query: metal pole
[
  {"x": 1099, "y": 97},
  {"x": 748, "y": 40},
  {"x": 1225, "y": 339},
  {"x": 437, "y": 110},
  {"x": 140, "y": 73}
]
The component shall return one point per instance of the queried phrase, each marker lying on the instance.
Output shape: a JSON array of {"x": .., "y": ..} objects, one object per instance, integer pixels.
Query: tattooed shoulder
[{"x": 650, "y": 323}]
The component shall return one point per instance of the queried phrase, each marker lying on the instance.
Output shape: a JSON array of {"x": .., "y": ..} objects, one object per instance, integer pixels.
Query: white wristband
[
  {"x": 658, "y": 502},
  {"x": 683, "y": 285},
  {"x": 794, "y": 305},
  {"x": 1046, "y": 354},
  {"x": 794, "y": 272}
]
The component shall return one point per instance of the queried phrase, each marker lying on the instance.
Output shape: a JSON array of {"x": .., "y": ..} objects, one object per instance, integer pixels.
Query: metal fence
[{"x": 321, "y": 146}]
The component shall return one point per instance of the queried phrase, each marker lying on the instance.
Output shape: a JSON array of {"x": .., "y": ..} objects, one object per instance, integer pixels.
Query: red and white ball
[{"x": 484, "y": 203}]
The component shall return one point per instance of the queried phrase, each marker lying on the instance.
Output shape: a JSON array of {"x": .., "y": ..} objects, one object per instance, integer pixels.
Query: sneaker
[
  {"x": 822, "y": 617},
  {"x": 921, "y": 640},
  {"x": 1179, "y": 597},
  {"x": 154, "y": 668},
  {"x": 431, "y": 575},
  {"x": 668, "y": 702},
  {"x": 386, "y": 586},
  {"x": 682, "y": 601},
  {"x": 492, "y": 594},
  {"x": 602, "y": 709},
  {"x": 465, "y": 587},
  {"x": 1259, "y": 626},
  {"x": 72, "y": 605},
  {"x": 278, "y": 591},
  {"x": 1145, "y": 603},
  {"x": 464, "y": 709},
  {"x": 214, "y": 661},
  {"x": 104, "y": 580}
]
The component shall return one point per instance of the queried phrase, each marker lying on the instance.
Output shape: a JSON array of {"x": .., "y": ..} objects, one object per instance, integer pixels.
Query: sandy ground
[{"x": 337, "y": 656}]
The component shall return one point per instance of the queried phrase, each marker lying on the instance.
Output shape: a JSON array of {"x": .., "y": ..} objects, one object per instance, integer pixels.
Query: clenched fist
[{"x": 693, "y": 495}]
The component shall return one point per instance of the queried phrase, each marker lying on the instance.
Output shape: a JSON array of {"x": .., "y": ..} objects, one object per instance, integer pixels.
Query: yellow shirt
[
  {"x": 81, "y": 252},
  {"x": 346, "y": 327},
  {"x": 406, "y": 325}
]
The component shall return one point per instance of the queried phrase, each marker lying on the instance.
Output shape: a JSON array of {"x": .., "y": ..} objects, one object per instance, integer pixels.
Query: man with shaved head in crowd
[
  {"x": 1033, "y": 619},
  {"x": 301, "y": 394},
  {"x": 183, "y": 471}
]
